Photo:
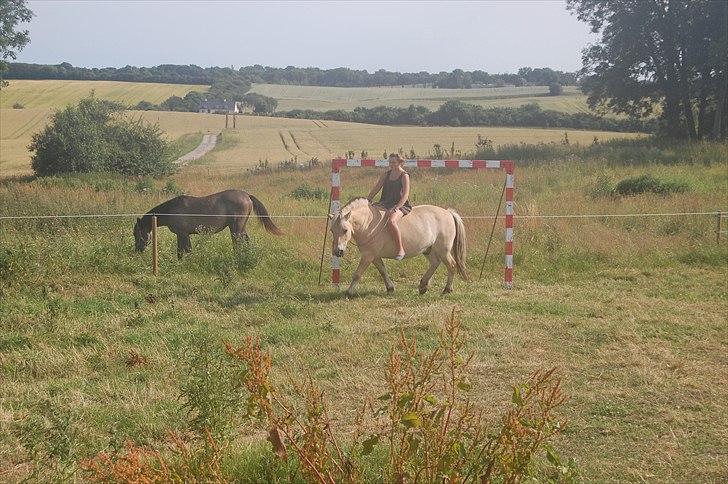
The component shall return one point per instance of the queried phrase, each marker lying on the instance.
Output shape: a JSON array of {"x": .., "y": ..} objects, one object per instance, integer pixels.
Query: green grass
[{"x": 631, "y": 310}]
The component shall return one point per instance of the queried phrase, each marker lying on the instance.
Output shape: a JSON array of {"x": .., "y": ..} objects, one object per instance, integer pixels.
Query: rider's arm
[{"x": 377, "y": 187}]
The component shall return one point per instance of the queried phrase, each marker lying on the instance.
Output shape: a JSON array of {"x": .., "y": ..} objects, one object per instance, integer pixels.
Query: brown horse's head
[
  {"x": 142, "y": 233},
  {"x": 341, "y": 231}
]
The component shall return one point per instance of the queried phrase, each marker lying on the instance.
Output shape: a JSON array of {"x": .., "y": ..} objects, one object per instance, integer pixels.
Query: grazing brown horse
[{"x": 185, "y": 215}]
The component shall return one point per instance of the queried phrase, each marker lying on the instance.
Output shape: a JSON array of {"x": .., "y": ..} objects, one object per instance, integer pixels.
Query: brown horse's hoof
[
  {"x": 423, "y": 289},
  {"x": 348, "y": 295},
  {"x": 390, "y": 290},
  {"x": 446, "y": 291}
]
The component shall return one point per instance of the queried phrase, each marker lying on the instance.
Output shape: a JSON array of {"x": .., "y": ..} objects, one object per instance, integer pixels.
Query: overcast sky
[{"x": 495, "y": 36}]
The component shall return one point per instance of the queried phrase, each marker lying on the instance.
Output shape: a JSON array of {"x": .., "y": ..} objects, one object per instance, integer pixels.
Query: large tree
[
  {"x": 12, "y": 12},
  {"x": 667, "y": 56}
]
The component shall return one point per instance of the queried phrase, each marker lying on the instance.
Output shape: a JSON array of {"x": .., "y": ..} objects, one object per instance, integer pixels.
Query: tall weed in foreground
[
  {"x": 426, "y": 424},
  {"x": 424, "y": 428}
]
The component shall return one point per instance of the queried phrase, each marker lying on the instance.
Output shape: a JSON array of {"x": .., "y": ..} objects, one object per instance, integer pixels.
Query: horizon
[{"x": 494, "y": 37}]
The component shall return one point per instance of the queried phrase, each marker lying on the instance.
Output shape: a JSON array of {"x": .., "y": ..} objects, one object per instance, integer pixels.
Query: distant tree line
[
  {"x": 308, "y": 76},
  {"x": 458, "y": 113},
  {"x": 457, "y": 79},
  {"x": 193, "y": 99}
]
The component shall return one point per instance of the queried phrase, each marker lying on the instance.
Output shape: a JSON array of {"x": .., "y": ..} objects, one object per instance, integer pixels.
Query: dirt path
[{"x": 208, "y": 143}]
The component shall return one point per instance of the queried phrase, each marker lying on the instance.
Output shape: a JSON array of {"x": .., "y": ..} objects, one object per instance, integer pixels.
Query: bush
[
  {"x": 91, "y": 137},
  {"x": 18, "y": 106},
  {"x": 648, "y": 184},
  {"x": 306, "y": 192},
  {"x": 555, "y": 89}
]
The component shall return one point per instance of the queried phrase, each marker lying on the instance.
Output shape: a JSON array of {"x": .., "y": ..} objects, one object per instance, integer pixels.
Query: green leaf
[
  {"x": 464, "y": 384},
  {"x": 368, "y": 444},
  {"x": 384, "y": 397},
  {"x": 404, "y": 400},
  {"x": 411, "y": 419},
  {"x": 552, "y": 456},
  {"x": 431, "y": 399},
  {"x": 517, "y": 398}
]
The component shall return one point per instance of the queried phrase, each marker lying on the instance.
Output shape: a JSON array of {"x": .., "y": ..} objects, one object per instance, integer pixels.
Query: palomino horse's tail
[
  {"x": 459, "y": 245},
  {"x": 265, "y": 219}
]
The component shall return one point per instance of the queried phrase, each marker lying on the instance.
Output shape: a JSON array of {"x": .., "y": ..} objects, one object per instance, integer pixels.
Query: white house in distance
[{"x": 215, "y": 106}]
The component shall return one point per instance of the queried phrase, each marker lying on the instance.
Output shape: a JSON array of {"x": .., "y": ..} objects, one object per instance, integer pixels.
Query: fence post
[
  {"x": 717, "y": 232},
  {"x": 155, "y": 260}
]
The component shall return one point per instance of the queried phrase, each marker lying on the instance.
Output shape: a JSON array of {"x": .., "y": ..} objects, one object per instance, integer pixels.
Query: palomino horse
[
  {"x": 230, "y": 208},
  {"x": 437, "y": 233}
]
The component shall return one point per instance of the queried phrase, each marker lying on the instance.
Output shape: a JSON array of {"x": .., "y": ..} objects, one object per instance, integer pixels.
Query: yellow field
[
  {"x": 347, "y": 98},
  {"x": 55, "y": 93},
  {"x": 276, "y": 139}
]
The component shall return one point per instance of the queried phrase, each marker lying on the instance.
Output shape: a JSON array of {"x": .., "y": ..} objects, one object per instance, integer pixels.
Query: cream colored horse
[{"x": 437, "y": 233}]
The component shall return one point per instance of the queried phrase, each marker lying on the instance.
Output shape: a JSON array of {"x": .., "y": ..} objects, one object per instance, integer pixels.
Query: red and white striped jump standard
[{"x": 506, "y": 165}]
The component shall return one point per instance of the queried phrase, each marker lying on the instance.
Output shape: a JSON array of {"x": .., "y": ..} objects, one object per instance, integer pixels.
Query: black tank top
[{"x": 392, "y": 192}]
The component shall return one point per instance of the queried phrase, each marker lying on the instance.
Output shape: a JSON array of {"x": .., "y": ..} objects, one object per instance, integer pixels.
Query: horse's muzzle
[{"x": 339, "y": 252}]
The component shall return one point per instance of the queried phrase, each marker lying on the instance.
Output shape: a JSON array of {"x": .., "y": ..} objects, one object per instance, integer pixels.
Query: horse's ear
[{"x": 346, "y": 215}]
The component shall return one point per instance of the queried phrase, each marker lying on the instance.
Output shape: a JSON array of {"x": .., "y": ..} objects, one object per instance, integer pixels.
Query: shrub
[
  {"x": 18, "y": 106},
  {"x": 648, "y": 184},
  {"x": 92, "y": 137},
  {"x": 306, "y": 192},
  {"x": 555, "y": 89}
]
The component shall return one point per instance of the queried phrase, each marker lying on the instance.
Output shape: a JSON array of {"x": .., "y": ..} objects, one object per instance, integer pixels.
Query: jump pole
[{"x": 506, "y": 165}]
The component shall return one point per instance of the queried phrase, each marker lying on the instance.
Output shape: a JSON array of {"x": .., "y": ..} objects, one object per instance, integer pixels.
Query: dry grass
[
  {"x": 632, "y": 310},
  {"x": 259, "y": 138},
  {"x": 321, "y": 98},
  {"x": 51, "y": 94}
]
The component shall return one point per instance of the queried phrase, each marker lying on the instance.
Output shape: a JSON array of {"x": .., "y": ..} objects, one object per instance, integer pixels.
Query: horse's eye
[{"x": 346, "y": 231}]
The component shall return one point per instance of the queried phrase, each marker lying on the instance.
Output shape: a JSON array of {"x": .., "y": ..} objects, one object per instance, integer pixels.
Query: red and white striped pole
[
  {"x": 335, "y": 208},
  {"x": 508, "y": 279}
]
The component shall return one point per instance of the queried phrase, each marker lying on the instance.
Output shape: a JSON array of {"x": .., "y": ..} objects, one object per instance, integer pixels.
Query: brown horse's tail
[
  {"x": 265, "y": 219},
  {"x": 459, "y": 245}
]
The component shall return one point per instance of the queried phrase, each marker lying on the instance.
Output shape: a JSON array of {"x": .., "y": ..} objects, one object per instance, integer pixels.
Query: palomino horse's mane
[{"x": 354, "y": 203}]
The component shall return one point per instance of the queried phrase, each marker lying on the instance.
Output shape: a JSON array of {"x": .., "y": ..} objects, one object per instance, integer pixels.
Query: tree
[
  {"x": 12, "y": 12},
  {"x": 666, "y": 53},
  {"x": 555, "y": 89},
  {"x": 91, "y": 136}
]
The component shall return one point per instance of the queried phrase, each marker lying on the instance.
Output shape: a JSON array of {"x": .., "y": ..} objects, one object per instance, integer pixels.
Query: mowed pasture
[
  {"x": 631, "y": 310},
  {"x": 320, "y": 98},
  {"x": 259, "y": 138}
]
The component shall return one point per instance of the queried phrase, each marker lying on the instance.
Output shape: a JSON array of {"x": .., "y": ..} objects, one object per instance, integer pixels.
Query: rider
[{"x": 395, "y": 197}]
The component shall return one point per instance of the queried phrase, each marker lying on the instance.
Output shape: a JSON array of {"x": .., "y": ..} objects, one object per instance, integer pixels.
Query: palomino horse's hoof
[{"x": 348, "y": 295}]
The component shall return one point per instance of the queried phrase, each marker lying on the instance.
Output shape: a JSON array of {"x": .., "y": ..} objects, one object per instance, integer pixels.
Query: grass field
[
  {"x": 632, "y": 311},
  {"x": 347, "y": 98},
  {"x": 259, "y": 138}
]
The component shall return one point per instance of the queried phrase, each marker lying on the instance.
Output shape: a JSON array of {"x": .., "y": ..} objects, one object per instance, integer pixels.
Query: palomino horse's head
[
  {"x": 142, "y": 233},
  {"x": 341, "y": 231}
]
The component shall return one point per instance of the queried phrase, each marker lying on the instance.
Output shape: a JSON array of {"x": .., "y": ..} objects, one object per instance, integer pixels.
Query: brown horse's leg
[
  {"x": 379, "y": 264},
  {"x": 238, "y": 233},
  {"x": 184, "y": 245},
  {"x": 363, "y": 264}
]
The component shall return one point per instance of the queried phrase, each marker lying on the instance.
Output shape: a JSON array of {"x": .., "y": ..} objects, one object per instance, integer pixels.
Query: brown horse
[{"x": 185, "y": 215}]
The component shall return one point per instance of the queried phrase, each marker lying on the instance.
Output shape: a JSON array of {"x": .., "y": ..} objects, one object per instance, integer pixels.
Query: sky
[{"x": 494, "y": 36}]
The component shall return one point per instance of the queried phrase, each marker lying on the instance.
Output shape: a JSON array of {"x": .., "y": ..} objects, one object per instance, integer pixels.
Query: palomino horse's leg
[
  {"x": 450, "y": 264},
  {"x": 184, "y": 245},
  {"x": 434, "y": 264},
  {"x": 379, "y": 264},
  {"x": 363, "y": 264}
]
